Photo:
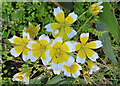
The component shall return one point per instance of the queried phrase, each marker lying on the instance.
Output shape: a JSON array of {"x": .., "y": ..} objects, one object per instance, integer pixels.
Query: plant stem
[
  {"x": 84, "y": 24},
  {"x": 82, "y": 14}
]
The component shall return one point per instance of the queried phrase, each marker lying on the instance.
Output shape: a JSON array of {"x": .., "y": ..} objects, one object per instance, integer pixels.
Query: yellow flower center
[
  {"x": 58, "y": 52},
  {"x": 43, "y": 47},
  {"x": 63, "y": 25}
]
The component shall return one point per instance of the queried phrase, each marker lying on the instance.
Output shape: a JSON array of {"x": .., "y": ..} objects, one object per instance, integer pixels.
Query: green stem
[
  {"x": 84, "y": 24},
  {"x": 82, "y": 14}
]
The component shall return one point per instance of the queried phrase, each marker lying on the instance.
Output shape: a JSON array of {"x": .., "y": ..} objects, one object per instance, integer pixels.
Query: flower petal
[
  {"x": 30, "y": 26},
  {"x": 17, "y": 50},
  {"x": 91, "y": 54},
  {"x": 37, "y": 28},
  {"x": 26, "y": 35},
  {"x": 99, "y": 2},
  {"x": 16, "y": 40},
  {"x": 26, "y": 80},
  {"x": 76, "y": 74},
  {"x": 68, "y": 29},
  {"x": 52, "y": 27},
  {"x": 94, "y": 69},
  {"x": 45, "y": 60},
  {"x": 25, "y": 57},
  {"x": 12, "y": 39},
  {"x": 72, "y": 17},
  {"x": 81, "y": 57},
  {"x": 57, "y": 62},
  {"x": 50, "y": 53},
  {"x": 101, "y": 10},
  {"x": 32, "y": 58},
  {"x": 101, "y": 6},
  {"x": 64, "y": 57},
  {"x": 77, "y": 45},
  {"x": 73, "y": 69},
  {"x": 74, "y": 43},
  {"x": 80, "y": 60},
  {"x": 67, "y": 47},
  {"x": 57, "y": 71},
  {"x": 37, "y": 53},
  {"x": 30, "y": 43},
  {"x": 49, "y": 28},
  {"x": 57, "y": 66},
  {"x": 25, "y": 54},
  {"x": 73, "y": 33},
  {"x": 55, "y": 32},
  {"x": 70, "y": 61},
  {"x": 94, "y": 44},
  {"x": 48, "y": 57},
  {"x": 67, "y": 74},
  {"x": 44, "y": 37},
  {"x": 14, "y": 53},
  {"x": 84, "y": 37},
  {"x": 59, "y": 14},
  {"x": 58, "y": 39}
]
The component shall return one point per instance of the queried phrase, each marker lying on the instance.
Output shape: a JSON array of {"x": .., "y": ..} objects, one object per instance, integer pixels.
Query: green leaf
[
  {"x": 56, "y": 79},
  {"x": 105, "y": 38},
  {"x": 66, "y": 81},
  {"x": 39, "y": 79},
  {"x": 109, "y": 20}
]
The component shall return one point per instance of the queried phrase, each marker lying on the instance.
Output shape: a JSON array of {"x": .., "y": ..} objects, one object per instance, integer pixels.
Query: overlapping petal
[{"x": 73, "y": 69}]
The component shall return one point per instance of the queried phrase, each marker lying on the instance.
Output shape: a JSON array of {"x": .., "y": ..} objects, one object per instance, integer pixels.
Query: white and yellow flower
[
  {"x": 96, "y": 8},
  {"x": 31, "y": 30},
  {"x": 21, "y": 46},
  {"x": 93, "y": 67},
  {"x": 24, "y": 77},
  {"x": 62, "y": 29},
  {"x": 74, "y": 69},
  {"x": 59, "y": 53},
  {"x": 38, "y": 48},
  {"x": 85, "y": 49}
]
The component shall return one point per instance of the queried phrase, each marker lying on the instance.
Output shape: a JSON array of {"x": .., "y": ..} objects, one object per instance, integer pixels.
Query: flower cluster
[
  {"x": 57, "y": 53},
  {"x": 96, "y": 8}
]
